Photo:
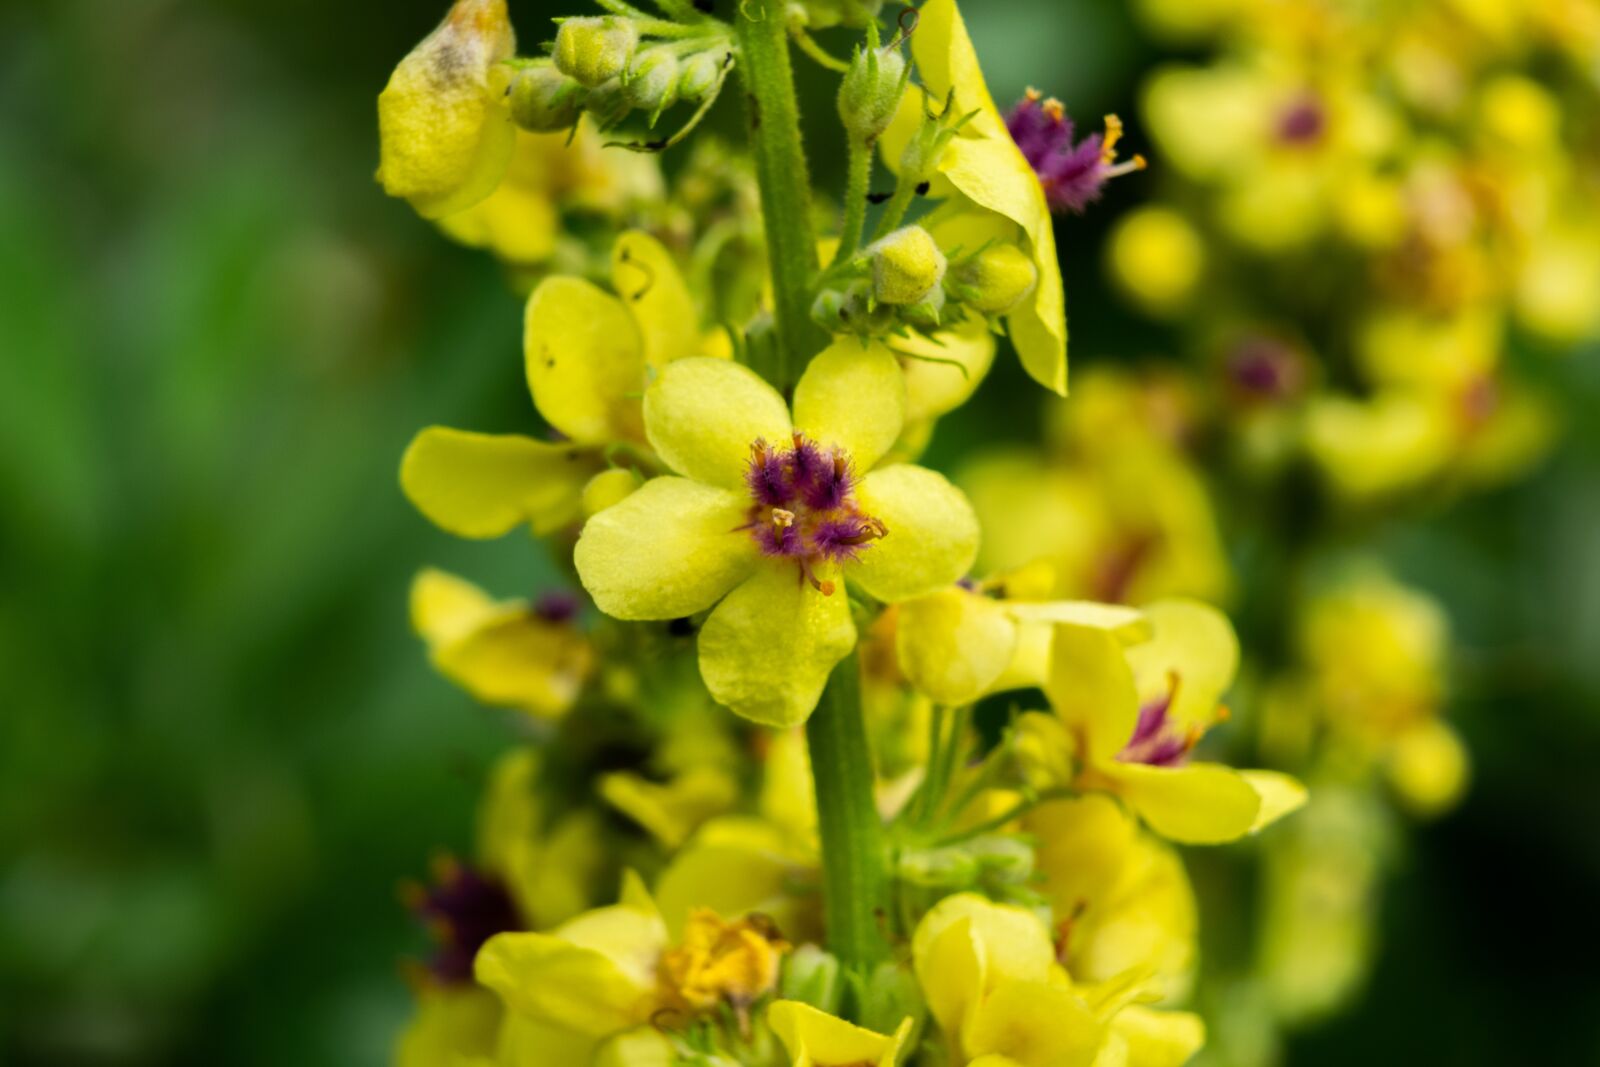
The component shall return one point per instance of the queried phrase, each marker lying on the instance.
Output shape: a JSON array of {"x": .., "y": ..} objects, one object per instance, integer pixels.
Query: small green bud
[
  {"x": 995, "y": 280},
  {"x": 700, "y": 74},
  {"x": 889, "y": 995},
  {"x": 825, "y": 14},
  {"x": 811, "y": 976},
  {"x": 870, "y": 94},
  {"x": 927, "y": 313},
  {"x": 652, "y": 81},
  {"x": 905, "y": 265},
  {"x": 829, "y": 310},
  {"x": 608, "y": 103},
  {"x": 1006, "y": 860},
  {"x": 595, "y": 49},
  {"x": 544, "y": 100},
  {"x": 939, "y": 868}
]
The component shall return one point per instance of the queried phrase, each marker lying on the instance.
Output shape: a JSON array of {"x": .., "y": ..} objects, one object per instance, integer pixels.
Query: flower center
[
  {"x": 803, "y": 507},
  {"x": 1072, "y": 174},
  {"x": 462, "y": 909},
  {"x": 1157, "y": 740},
  {"x": 722, "y": 962}
]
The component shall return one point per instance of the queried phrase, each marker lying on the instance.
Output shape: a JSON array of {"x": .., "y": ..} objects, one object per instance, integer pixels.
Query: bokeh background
[{"x": 220, "y": 746}]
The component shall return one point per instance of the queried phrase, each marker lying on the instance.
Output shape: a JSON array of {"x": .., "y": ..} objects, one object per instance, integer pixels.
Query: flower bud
[
  {"x": 608, "y": 104},
  {"x": 938, "y": 868},
  {"x": 870, "y": 94},
  {"x": 825, "y": 14},
  {"x": 1005, "y": 860},
  {"x": 543, "y": 100},
  {"x": 811, "y": 976},
  {"x": 595, "y": 49},
  {"x": 700, "y": 74},
  {"x": 995, "y": 280},
  {"x": 905, "y": 265},
  {"x": 927, "y": 313},
  {"x": 652, "y": 81},
  {"x": 890, "y": 994},
  {"x": 830, "y": 311},
  {"x": 444, "y": 131}
]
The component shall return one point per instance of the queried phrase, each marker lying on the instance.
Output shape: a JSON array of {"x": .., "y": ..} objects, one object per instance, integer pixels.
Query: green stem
[
  {"x": 894, "y": 213},
  {"x": 855, "y": 202},
  {"x": 785, "y": 183},
  {"x": 855, "y": 884}
]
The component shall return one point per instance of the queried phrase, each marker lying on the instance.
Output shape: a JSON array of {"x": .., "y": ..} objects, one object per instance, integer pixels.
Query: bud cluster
[{"x": 606, "y": 66}]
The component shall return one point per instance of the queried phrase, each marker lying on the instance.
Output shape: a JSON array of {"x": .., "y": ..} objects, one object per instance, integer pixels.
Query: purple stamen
[
  {"x": 1157, "y": 741},
  {"x": 1303, "y": 122},
  {"x": 557, "y": 605},
  {"x": 1072, "y": 174},
  {"x": 767, "y": 477},
  {"x": 463, "y": 909}
]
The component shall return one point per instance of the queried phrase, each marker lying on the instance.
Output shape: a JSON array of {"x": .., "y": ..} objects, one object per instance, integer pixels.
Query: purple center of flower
[
  {"x": 557, "y": 605},
  {"x": 1157, "y": 741},
  {"x": 1073, "y": 174},
  {"x": 1302, "y": 122},
  {"x": 462, "y": 910},
  {"x": 1265, "y": 369},
  {"x": 804, "y": 508}
]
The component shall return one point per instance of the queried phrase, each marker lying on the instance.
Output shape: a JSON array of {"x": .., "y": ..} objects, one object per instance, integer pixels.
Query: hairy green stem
[
  {"x": 855, "y": 201},
  {"x": 905, "y": 190},
  {"x": 855, "y": 885},
  {"x": 762, "y": 33}
]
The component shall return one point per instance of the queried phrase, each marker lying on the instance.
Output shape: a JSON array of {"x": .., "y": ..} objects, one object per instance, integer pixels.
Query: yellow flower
[
  {"x": 1136, "y": 712},
  {"x": 613, "y": 970},
  {"x": 1121, "y": 897},
  {"x": 444, "y": 127},
  {"x": 992, "y": 983},
  {"x": 969, "y": 640},
  {"x": 507, "y": 653},
  {"x": 985, "y": 167},
  {"x": 450, "y": 1023},
  {"x": 671, "y": 811},
  {"x": 816, "y": 1039},
  {"x": 587, "y": 355},
  {"x": 767, "y": 515}
]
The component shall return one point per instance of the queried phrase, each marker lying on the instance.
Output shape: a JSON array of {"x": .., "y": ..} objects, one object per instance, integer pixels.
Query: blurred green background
[{"x": 220, "y": 745}]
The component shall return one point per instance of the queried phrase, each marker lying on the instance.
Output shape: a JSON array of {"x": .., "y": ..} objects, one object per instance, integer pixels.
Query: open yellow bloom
[
  {"x": 969, "y": 640},
  {"x": 444, "y": 126},
  {"x": 1121, "y": 897},
  {"x": 618, "y": 969},
  {"x": 508, "y": 653},
  {"x": 587, "y": 354},
  {"x": 984, "y": 166},
  {"x": 1134, "y": 714},
  {"x": 768, "y": 513},
  {"x": 816, "y": 1039},
  {"x": 991, "y": 980}
]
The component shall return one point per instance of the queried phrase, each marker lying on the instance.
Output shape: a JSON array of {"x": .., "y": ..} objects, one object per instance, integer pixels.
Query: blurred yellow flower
[
  {"x": 509, "y": 653},
  {"x": 814, "y": 1038}
]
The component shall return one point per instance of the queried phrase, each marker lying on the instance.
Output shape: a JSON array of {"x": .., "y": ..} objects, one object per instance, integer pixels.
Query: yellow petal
[
  {"x": 932, "y": 538},
  {"x": 768, "y": 648},
  {"x": 966, "y": 946},
  {"x": 519, "y": 223},
  {"x": 1429, "y": 767},
  {"x": 1194, "y": 643},
  {"x": 852, "y": 396},
  {"x": 954, "y": 644},
  {"x": 1128, "y": 625},
  {"x": 732, "y": 879},
  {"x": 1091, "y": 688},
  {"x": 552, "y": 980},
  {"x": 449, "y": 1022},
  {"x": 1197, "y": 804},
  {"x": 1035, "y": 1024},
  {"x": 444, "y": 129},
  {"x": 673, "y": 811},
  {"x": 1279, "y": 795},
  {"x": 481, "y": 485},
  {"x": 1159, "y": 1038},
  {"x": 934, "y": 386},
  {"x": 668, "y": 550},
  {"x": 650, "y": 284},
  {"x": 987, "y": 167},
  {"x": 702, "y": 415},
  {"x": 525, "y": 1042},
  {"x": 584, "y": 359},
  {"x": 444, "y": 607},
  {"x": 816, "y": 1039},
  {"x": 513, "y": 658},
  {"x": 644, "y": 1047}
]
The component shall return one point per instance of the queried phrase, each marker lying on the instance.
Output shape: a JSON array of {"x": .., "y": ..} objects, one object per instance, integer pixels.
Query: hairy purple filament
[
  {"x": 803, "y": 507},
  {"x": 1303, "y": 122},
  {"x": 463, "y": 909},
  {"x": 556, "y": 606},
  {"x": 1156, "y": 740},
  {"x": 1072, "y": 174}
]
